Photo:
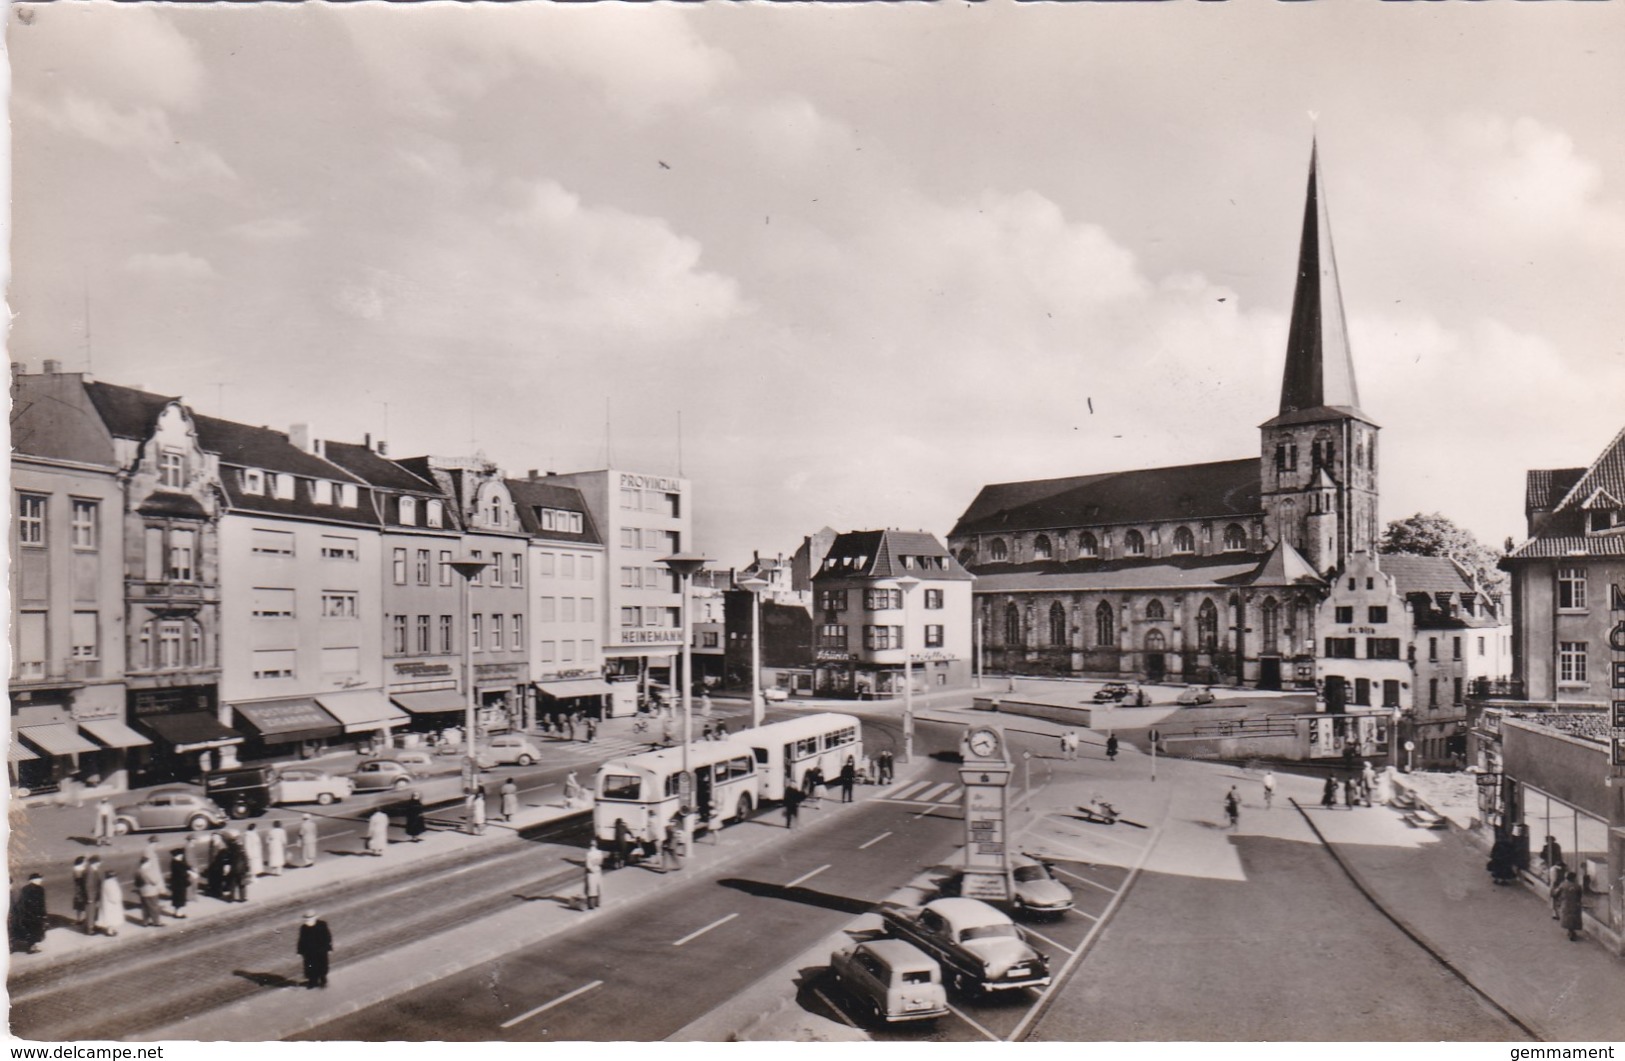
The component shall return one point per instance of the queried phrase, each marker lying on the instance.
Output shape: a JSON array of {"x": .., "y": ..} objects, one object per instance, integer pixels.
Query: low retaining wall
[{"x": 1071, "y": 716}]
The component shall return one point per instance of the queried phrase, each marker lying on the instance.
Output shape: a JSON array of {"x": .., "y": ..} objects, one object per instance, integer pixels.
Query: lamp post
[
  {"x": 907, "y": 583},
  {"x": 469, "y": 569},
  {"x": 684, "y": 565},
  {"x": 755, "y": 583}
]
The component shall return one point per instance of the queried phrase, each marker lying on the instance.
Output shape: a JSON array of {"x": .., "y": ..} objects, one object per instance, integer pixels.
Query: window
[
  {"x": 567, "y": 565},
  {"x": 631, "y": 617},
  {"x": 997, "y": 550},
  {"x": 496, "y": 569},
  {"x": 273, "y": 603},
  {"x": 1390, "y": 692},
  {"x": 881, "y": 638},
  {"x": 549, "y": 651},
  {"x": 518, "y": 628},
  {"x": 252, "y": 480},
  {"x": 1382, "y": 648},
  {"x": 1105, "y": 626},
  {"x": 1088, "y": 545},
  {"x": 85, "y": 523},
  {"x": 476, "y": 630},
  {"x": 153, "y": 557},
  {"x": 631, "y": 578},
  {"x": 479, "y": 573},
  {"x": 349, "y": 495},
  {"x": 86, "y": 636},
  {"x": 172, "y": 469},
  {"x": 1481, "y": 647},
  {"x": 338, "y": 547},
  {"x": 31, "y": 645},
  {"x": 567, "y": 651},
  {"x": 1433, "y": 693},
  {"x": 567, "y": 609},
  {"x": 397, "y": 634},
  {"x": 709, "y": 639},
  {"x": 30, "y": 519},
  {"x": 271, "y": 663},
  {"x": 445, "y": 634},
  {"x": 422, "y": 641},
  {"x": 1272, "y": 625},
  {"x": 182, "y": 555},
  {"x": 1456, "y": 684},
  {"x": 547, "y": 610},
  {"x": 1571, "y": 588},
  {"x": 1433, "y": 649},
  {"x": 339, "y": 662},
  {"x": 408, "y": 511},
  {"x": 586, "y": 568},
  {"x": 1340, "y": 648},
  {"x": 1362, "y": 692},
  {"x": 879, "y": 600},
  {"x": 423, "y": 567},
  {"x": 1344, "y": 614},
  {"x": 832, "y": 600},
  {"x": 673, "y": 617},
  {"x": 1042, "y": 550},
  {"x": 1154, "y": 610},
  {"x": 1455, "y": 648},
  {"x": 495, "y": 513},
  {"x": 496, "y": 632},
  {"x": 445, "y": 567},
  {"x": 1184, "y": 540},
  {"x": 400, "y": 567},
  {"x": 516, "y": 570},
  {"x": 588, "y": 611},
  {"x": 672, "y": 542},
  {"x": 1155, "y": 641},
  {"x": 1207, "y": 628},
  {"x": 933, "y": 599},
  {"x": 339, "y": 604},
  {"x": 1235, "y": 539},
  {"x": 321, "y": 491},
  {"x": 631, "y": 498},
  {"x": 933, "y": 636},
  {"x": 282, "y": 486},
  {"x": 1012, "y": 624},
  {"x": 1134, "y": 543},
  {"x": 434, "y": 513},
  {"x": 1571, "y": 662},
  {"x": 1377, "y": 613}
]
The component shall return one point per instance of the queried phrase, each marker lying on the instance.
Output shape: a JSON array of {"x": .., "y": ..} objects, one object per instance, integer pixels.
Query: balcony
[
  {"x": 141, "y": 589},
  {"x": 1496, "y": 689}
]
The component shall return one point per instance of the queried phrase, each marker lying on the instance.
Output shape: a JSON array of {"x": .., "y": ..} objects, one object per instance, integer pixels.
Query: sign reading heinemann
[
  {"x": 632, "y": 481},
  {"x": 651, "y": 637}
]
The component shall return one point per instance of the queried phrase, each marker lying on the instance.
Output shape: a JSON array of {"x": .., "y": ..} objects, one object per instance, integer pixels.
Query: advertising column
[{"x": 986, "y": 777}]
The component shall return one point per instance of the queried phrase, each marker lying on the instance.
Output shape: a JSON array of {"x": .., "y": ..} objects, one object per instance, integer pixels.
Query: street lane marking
[
  {"x": 961, "y": 1015},
  {"x": 808, "y": 876},
  {"x": 838, "y": 1011},
  {"x": 1085, "y": 913},
  {"x": 912, "y": 786},
  {"x": 952, "y": 797},
  {"x": 583, "y": 989},
  {"x": 1046, "y": 939},
  {"x": 876, "y": 840},
  {"x": 700, "y": 932},
  {"x": 934, "y": 791},
  {"x": 1086, "y": 880}
]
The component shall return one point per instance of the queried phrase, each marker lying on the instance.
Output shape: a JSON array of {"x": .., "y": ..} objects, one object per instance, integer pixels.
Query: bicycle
[{"x": 640, "y": 726}]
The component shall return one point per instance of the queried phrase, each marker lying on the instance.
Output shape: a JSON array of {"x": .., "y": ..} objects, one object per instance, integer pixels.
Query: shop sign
[
  {"x": 828, "y": 655},
  {"x": 650, "y": 482},
  {"x": 417, "y": 668},
  {"x": 486, "y": 672},
  {"x": 927, "y": 657},
  {"x": 651, "y": 637},
  {"x": 1362, "y": 629},
  {"x": 573, "y": 672}
]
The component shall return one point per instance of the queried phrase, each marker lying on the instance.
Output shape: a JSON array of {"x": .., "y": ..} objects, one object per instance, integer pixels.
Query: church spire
[{"x": 1319, "y": 368}]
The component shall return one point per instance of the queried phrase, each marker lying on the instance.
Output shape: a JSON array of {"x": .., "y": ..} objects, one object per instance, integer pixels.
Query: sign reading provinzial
[{"x": 651, "y": 482}]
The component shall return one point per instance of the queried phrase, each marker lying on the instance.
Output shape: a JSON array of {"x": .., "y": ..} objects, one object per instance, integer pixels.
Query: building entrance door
[
  {"x": 1269, "y": 672},
  {"x": 1156, "y": 666}
]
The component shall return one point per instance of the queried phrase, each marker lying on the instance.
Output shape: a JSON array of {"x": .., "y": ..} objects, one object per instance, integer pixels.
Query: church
[{"x": 1204, "y": 573}]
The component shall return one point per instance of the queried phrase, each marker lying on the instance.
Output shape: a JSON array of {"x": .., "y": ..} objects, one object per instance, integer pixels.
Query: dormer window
[
  {"x": 349, "y": 495},
  {"x": 321, "y": 491},
  {"x": 283, "y": 486},
  {"x": 409, "y": 511},
  {"x": 1235, "y": 539},
  {"x": 433, "y": 513},
  {"x": 496, "y": 511},
  {"x": 172, "y": 469},
  {"x": 253, "y": 481}
]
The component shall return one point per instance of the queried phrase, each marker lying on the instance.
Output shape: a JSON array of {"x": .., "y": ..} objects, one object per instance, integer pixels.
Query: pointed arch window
[
  {"x": 1155, "y": 641},
  {"x": 1272, "y": 625},
  {"x": 1184, "y": 540},
  {"x": 1235, "y": 539},
  {"x": 1088, "y": 544},
  {"x": 1105, "y": 626},
  {"x": 1057, "y": 625},
  {"x": 1134, "y": 543},
  {"x": 967, "y": 556},
  {"x": 1012, "y": 625},
  {"x": 1042, "y": 550},
  {"x": 997, "y": 550},
  {"x": 496, "y": 511},
  {"x": 1154, "y": 611},
  {"x": 1207, "y": 628}
]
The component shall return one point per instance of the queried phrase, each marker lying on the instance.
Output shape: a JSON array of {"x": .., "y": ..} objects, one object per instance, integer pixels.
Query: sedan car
[
  {"x": 376, "y": 775},
  {"x": 303, "y": 784},
  {"x": 168, "y": 808},
  {"x": 1193, "y": 695},
  {"x": 1111, "y": 691},
  {"x": 1035, "y": 890},
  {"x": 890, "y": 980},
  {"x": 979, "y": 948},
  {"x": 510, "y": 748},
  {"x": 775, "y": 695}
]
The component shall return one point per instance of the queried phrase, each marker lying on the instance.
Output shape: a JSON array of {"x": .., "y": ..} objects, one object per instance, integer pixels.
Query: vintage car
[
  {"x": 375, "y": 775},
  {"x": 1194, "y": 695},
  {"x": 168, "y": 808},
  {"x": 306, "y": 784},
  {"x": 1111, "y": 691},
  {"x": 979, "y": 948},
  {"x": 890, "y": 981},
  {"x": 775, "y": 695},
  {"x": 509, "y": 748},
  {"x": 1036, "y": 891}
]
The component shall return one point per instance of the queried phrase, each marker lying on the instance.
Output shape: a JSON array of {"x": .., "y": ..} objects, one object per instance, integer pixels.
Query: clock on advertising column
[{"x": 985, "y": 773}]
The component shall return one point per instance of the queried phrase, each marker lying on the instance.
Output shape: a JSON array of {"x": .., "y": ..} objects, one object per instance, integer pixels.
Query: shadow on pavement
[
  {"x": 840, "y": 903},
  {"x": 265, "y": 979}
]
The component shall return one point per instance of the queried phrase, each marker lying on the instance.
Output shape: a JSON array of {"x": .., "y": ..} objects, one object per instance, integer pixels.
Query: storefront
[
  {"x": 278, "y": 729},
  {"x": 188, "y": 744},
  {"x": 428, "y": 690},
  {"x": 499, "y": 696},
  {"x": 569, "y": 691},
  {"x": 53, "y": 744},
  {"x": 366, "y": 715}
]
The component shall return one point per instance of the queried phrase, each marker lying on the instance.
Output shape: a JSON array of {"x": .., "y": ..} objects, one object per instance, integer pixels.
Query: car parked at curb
[
  {"x": 1111, "y": 691},
  {"x": 775, "y": 695},
  {"x": 979, "y": 948},
  {"x": 508, "y": 749},
  {"x": 1036, "y": 891},
  {"x": 168, "y": 808},
  {"x": 306, "y": 784},
  {"x": 378, "y": 775},
  {"x": 1194, "y": 695},
  {"x": 890, "y": 981}
]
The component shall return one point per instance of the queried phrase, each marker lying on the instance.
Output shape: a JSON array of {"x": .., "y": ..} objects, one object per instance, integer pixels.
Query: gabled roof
[
  {"x": 51, "y": 417},
  {"x": 1224, "y": 570},
  {"x": 1220, "y": 490},
  {"x": 1426, "y": 574},
  {"x": 261, "y": 447},
  {"x": 127, "y": 412},
  {"x": 1545, "y": 487},
  {"x": 1607, "y": 472},
  {"x": 530, "y": 495},
  {"x": 366, "y": 465},
  {"x": 1285, "y": 566},
  {"x": 1564, "y": 533},
  {"x": 890, "y": 554}
]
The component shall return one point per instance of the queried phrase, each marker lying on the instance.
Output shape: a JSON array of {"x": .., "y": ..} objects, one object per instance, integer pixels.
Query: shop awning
[
  {"x": 113, "y": 733},
  {"x": 361, "y": 710},
  {"x": 431, "y": 703},
  {"x": 578, "y": 687},
  {"x": 290, "y": 720},
  {"x": 58, "y": 738},
  {"x": 191, "y": 731},
  {"x": 19, "y": 754}
]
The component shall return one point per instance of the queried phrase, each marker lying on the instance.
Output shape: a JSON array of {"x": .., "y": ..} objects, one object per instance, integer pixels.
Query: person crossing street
[{"x": 1269, "y": 789}]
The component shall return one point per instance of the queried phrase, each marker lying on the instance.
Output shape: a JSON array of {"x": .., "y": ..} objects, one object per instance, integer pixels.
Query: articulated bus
[{"x": 731, "y": 776}]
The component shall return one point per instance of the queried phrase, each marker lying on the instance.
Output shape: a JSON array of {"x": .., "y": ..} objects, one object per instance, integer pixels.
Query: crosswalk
[{"x": 924, "y": 793}]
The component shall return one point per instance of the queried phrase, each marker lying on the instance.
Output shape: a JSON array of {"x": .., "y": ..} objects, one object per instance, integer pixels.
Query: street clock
[{"x": 984, "y": 743}]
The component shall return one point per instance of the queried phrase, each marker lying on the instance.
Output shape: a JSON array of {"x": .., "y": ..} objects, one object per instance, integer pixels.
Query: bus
[{"x": 786, "y": 752}]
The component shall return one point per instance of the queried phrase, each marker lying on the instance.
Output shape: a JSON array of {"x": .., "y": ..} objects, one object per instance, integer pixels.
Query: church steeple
[{"x": 1319, "y": 369}]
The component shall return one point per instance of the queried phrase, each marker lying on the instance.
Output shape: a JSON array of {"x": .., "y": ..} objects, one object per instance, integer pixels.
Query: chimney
[
  {"x": 532, "y": 473},
  {"x": 383, "y": 448},
  {"x": 18, "y": 368},
  {"x": 366, "y": 440},
  {"x": 51, "y": 366},
  {"x": 319, "y": 447},
  {"x": 300, "y": 435}
]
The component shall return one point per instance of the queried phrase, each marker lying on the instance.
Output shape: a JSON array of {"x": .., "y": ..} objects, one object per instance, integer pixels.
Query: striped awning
[
  {"x": 362, "y": 710},
  {"x": 113, "y": 733},
  {"x": 58, "y": 738},
  {"x": 19, "y": 754}
]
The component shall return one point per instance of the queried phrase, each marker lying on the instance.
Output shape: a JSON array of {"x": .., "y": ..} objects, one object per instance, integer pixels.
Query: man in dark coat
[
  {"x": 792, "y": 805},
  {"x": 1569, "y": 913},
  {"x": 623, "y": 844},
  {"x": 1111, "y": 747},
  {"x": 849, "y": 777},
  {"x": 30, "y": 917},
  {"x": 315, "y": 945},
  {"x": 415, "y": 827}
]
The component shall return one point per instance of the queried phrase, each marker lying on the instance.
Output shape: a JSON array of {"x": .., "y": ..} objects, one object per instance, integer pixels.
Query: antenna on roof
[
  {"x": 679, "y": 443},
  {"x": 609, "y": 459}
]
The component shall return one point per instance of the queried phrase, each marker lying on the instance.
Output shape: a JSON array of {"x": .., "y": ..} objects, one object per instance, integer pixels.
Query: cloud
[
  {"x": 271, "y": 229},
  {"x": 174, "y": 266}
]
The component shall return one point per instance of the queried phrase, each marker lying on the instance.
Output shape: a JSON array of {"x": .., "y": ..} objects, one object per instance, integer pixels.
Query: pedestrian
[
  {"x": 705, "y": 705},
  {"x": 592, "y": 731},
  {"x": 849, "y": 777},
  {"x": 181, "y": 878},
  {"x": 315, "y": 947},
  {"x": 1269, "y": 789},
  {"x": 1351, "y": 791},
  {"x": 149, "y": 886},
  {"x": 253, "y": 851},
  {"x": 1551, "y": 854},
  {"x": 198, "y": 845},
  {"x": 510, "y": 800},
  {"x": 722, "y": 731},
  {"x": 477, "y": 812},
  {"x": 214, "y": 881},
  {"x": 238, "y": 878},
  {"x": 706, "y": 733},
  {"x": 592, "y": 883},
  {"x": 1501, "y": 864},
  {"x": 1328, "y": 793},
  {"x": 1232, "y": 807},
  {"x": 1569, "y": 915},
  {"x": 888, "y": 766},
  {"x": 623, "y": 845},
  {"x": 276, "y": 849},
  {"x": 570, "y": 727},
  {"x": 1559, "y": 873},
  {"x": 415, "y": 826},
  {"x": 307, "y": 841},
  {"x": 670, "y": 857},
  {"x": 104, "y": 822},
  {"x": 792, "y": 806},
  {"x": 652, "y": 835},
  {"x": 110, "y": 914},
  {"x": 377, "y": 832},
  {"x": 81, "y": 893},
  {"x": 1111, "y": 747},
  {"x": 93, "y": 893},
  {"x": 31, "y": 917},
  {"x": 1368, "y": 779}
]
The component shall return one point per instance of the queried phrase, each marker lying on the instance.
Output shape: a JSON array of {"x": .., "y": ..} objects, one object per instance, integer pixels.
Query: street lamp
[
  {"x": 469, "y": 569},
  {"x": 684, "y": 565},
  {"x": 907, "y": 583},
  {"x": 755, "y": 583}
]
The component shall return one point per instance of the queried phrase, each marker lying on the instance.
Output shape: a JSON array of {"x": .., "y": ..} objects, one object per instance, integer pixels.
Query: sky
[{"x": 839, "y": 265}]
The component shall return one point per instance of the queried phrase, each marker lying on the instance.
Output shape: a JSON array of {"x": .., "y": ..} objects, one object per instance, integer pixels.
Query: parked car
[
  {"x": 249, "y": 790},
  {"x": 168, "y": 808},
  {"x": 1035, "y": 889},
  {"x": 306, "y": 784},
  {"x": 1193, "y": 695},
  {"x": 775, "y": 695},
  {"x": 979, "y": 948},
  {"x": 1111, "y": 691},
  {"x": 375, "y": 775},
  {"x": 415, "y": 760},
  {"x": 510, "y": 748},
  {"x": 890, "y": 980}
]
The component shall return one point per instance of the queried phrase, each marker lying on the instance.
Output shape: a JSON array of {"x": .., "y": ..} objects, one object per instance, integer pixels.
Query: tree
[{"x": 1432, "y": 534}]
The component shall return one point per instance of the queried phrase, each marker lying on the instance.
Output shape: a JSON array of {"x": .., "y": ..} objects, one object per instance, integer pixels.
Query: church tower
[{"x": 1319, "y": 465}]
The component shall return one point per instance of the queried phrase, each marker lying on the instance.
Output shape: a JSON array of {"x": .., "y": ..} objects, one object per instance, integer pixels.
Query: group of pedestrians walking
[
  {"x": 569, "y": 726},
  {"x": 1356, "y": 789}
]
